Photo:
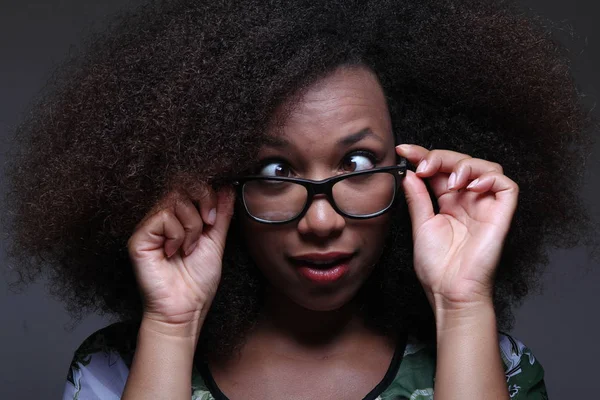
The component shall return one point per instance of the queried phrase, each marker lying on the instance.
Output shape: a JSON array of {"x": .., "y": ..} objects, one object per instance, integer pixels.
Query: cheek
[
  {"x": 373, "y": 234},
  {"x": 378, "y": 226},
  {"x": 265, "y": 243},
  {"x": 262, "y": 241}
]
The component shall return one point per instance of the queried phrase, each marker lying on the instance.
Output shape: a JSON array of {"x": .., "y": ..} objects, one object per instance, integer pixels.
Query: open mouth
[
  {"x": 323, "y": 268},
  {"x": 322, "y": 260}
]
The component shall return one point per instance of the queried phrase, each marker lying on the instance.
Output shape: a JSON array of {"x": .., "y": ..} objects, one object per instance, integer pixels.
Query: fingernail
[
  {"x": 172, "y": 252},
  {"x": 212, "y": 216},
  {"x": 451, "y": 181},
  {"x": 473, "y": 184},
  {"x": 191, "y": 248},
  {"x": 404, "y": 147},
  {"x": 422, "y": 166}
]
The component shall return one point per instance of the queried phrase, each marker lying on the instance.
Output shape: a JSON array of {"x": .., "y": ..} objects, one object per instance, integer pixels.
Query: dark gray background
[{"x": 561, "y": 325}]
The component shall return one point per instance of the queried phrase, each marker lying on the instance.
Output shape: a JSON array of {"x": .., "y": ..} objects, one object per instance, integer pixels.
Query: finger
[
  {"x": 430, "y": 162},
  {"x": 504, "y": 188},
  {"x": 439, "y": 161},
  {"x": 224, "y": 212},
  {"x": 412, "y": 152},
  {"x": 464, "y": 172},
  {"x": 439, "y": 165},
  {"x": 469, "y": 169},
  {"x": 160, "y": 231},
  {"x": 192, "y": 224},
  {"x": 418, "y": 200},
  {"x": 505, "y": 191},
  {"x": 206, "y": 198}
]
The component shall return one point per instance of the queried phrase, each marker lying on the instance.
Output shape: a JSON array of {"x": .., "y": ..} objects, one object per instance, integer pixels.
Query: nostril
[{"x": 321, "y": 219}]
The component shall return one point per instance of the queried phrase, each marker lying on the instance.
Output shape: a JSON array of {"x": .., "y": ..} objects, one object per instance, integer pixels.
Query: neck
[{"x": 294, "y": 326}]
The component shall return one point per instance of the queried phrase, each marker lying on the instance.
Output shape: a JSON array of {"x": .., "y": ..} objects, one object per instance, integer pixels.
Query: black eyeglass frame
[{"x": 325, "y": 187}]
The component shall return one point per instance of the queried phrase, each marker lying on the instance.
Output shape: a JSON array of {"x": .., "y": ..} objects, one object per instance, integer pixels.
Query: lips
[
  {"x": 322, "y": 260},
  {"x": 323, "y": 268}
]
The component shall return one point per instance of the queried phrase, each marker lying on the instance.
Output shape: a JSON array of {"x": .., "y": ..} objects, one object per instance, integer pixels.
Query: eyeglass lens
[{"x": 360, "y": 195}]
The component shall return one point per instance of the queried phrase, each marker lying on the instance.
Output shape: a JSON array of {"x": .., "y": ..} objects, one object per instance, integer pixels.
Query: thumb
[
  {"x": 419, "y": 203},
  {"x": 225, "y": 204}
]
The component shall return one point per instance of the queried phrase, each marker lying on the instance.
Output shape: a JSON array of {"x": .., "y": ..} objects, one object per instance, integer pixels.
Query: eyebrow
[
  {"x": 357, "y": 137},
  {"x": 279, "y": 142}
]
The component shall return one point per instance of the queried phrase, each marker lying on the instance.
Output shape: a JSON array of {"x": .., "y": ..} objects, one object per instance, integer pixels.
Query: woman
[{"x": 236, "y": 164}]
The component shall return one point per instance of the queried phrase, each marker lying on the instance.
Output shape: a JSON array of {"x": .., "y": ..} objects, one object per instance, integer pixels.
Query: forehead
[{"x": 347, "y": 101}]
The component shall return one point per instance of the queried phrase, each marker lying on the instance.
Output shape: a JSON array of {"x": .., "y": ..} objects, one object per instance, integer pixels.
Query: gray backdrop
[{"x": 36, "y": 341}]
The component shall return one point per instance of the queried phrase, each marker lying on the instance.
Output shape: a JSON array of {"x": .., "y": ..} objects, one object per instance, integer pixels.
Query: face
[{"x": 338, "y": 125}]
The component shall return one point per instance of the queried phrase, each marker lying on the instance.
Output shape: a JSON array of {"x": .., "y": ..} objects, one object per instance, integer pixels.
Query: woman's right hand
[{"x": 177, "y": 253}]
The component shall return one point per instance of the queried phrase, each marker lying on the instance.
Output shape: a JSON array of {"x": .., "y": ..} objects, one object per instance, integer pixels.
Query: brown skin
[
  {"x": 307, "y": 329},
  {"x": 340, "y": 106},
  {"x": 315, "y": 332}
]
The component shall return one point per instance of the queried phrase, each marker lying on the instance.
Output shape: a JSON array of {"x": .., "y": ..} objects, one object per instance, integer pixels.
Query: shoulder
[
  {"x": 100, "y": 365},
  {"x": 415, "y": 378},
  {"x": 524, "y": 373},
  {"x": 118, "y": 338}
]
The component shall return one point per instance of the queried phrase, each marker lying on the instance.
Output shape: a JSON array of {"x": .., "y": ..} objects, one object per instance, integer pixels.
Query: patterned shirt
[{"x": 101, "y": 365}]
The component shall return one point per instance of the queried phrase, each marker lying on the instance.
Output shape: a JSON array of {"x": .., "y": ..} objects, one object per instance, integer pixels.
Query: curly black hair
[{"x": 179, "y": 92}]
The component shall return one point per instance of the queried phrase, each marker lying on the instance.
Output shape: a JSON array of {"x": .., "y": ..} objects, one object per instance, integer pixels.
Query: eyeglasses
[{"x": 358, "y": 195}]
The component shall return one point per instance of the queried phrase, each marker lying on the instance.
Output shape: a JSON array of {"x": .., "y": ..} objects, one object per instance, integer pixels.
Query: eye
[
  {"x": 358, "y": 161},
  {"x": 277, "y": 169}
]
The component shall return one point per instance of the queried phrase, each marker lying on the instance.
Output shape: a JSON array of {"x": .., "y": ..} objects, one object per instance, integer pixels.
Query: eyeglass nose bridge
[{"x": 324, "y": 187}]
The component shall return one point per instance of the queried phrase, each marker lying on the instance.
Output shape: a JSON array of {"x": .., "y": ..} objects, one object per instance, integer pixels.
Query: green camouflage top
[{"x": 100, "y": 368}]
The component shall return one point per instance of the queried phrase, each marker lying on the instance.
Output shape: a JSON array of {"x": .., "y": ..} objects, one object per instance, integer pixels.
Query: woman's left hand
[{"x": 456, "y": 251}]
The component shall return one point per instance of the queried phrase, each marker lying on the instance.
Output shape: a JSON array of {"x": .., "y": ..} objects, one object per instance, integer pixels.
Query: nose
[{"x": 321, "y": 219}]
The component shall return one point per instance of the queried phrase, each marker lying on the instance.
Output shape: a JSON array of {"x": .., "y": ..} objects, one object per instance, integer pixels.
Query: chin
[{"x": 324, "y": 302}]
